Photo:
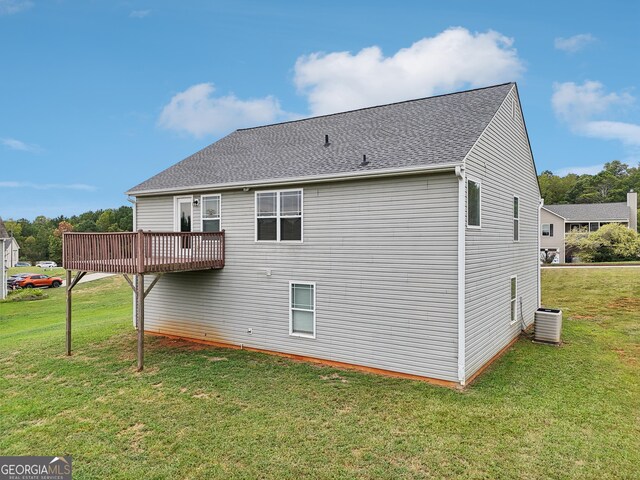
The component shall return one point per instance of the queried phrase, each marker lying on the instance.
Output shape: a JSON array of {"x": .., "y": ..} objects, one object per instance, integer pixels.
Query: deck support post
[
  {"x": 69, "y": 288},
  {"x": 140, "y": 318}
]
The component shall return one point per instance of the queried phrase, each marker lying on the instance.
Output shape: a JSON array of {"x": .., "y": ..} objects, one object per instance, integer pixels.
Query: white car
[{"x": 46, "y": 264}]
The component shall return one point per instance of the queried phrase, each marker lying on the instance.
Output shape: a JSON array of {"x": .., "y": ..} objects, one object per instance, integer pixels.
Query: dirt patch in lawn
[
  {"x": 136, "y": 434},
  {"x": 216, "y": 359},
  {"x": 629, "y": 356},
  {"x": 180, "y": 343},
  {"x": 334, "y": 376},
  {"x": 626, "y": 303}
]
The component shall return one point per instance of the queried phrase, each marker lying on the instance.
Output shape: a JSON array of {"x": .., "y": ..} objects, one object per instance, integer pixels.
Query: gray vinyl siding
[
  {"x": 383, "y": 254},
  {"x": 501, "y": 160},
  {"x": 155, "y": 213}
]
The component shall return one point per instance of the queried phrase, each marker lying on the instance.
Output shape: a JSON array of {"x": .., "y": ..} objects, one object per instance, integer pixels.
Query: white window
[
  {"x": 279, "y": 216},
  {"x": 514, "y": 298},
  {"x": 547, "y": 229},
  {"x": 302, "y": 309},
  {"x": 516, "y": 219},
  {"x": 211, "y": 213},
  {"x": 473, "y": 203}
]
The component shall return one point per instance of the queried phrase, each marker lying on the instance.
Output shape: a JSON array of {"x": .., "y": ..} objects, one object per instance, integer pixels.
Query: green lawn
[
  {"x": 203, "y": 412},
  {"x": 52, "y": 272}
]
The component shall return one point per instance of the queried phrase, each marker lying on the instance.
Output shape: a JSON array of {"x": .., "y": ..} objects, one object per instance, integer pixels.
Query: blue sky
[{"x": 97, "y": 96}]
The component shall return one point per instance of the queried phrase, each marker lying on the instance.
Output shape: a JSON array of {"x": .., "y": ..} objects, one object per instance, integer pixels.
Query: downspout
[
  {"x": 133, "y": 201},
  {"x": 540, "y": 205},
  {"x": 3, "y": 279},
  {"x": 462, "y": 377}
]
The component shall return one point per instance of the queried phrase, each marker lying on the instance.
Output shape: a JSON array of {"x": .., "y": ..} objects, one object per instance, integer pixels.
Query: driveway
[{"x": 90, "y": 277}]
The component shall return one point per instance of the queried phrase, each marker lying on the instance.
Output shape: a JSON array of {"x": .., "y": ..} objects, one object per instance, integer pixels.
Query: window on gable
[
  {"x": 473, "y": 203},
  {"x": 516, "y": 219},
  {"x": 211, "y": 213},
  {"x": 514, "y": 299},
  {"x": 279, "y": 216},
  {"x": 547, "y": 229},
  {"x": 302, "y": 309}
]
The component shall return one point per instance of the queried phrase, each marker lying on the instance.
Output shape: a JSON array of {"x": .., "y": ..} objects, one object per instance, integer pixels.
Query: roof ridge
[
  {"x": 375, "y": 106},
  {"x": 577, "y": 204}
]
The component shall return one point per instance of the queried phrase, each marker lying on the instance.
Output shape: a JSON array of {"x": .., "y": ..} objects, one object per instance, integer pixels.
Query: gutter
[{"x": 382, "y": 173}]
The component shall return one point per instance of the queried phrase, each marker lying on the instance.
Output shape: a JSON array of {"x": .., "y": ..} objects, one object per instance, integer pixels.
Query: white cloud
[
  {"x": 575, "y": 43},
  {"x": 452, "y": 59},
  {"x": 627, "y": 133},
  {"x": 573, "y": 103},
  {"x": 198, "y": 112},
  {"x": 139, "y": 13},
  {"x": 9, "y": 7},
  {"x": 584, "y": 108},
  {"x": 340, "y": 81},
  {"x": 588, "y": 170},
  {"x": 47, "y": 186},
  {"x": 14, "y": 144}
]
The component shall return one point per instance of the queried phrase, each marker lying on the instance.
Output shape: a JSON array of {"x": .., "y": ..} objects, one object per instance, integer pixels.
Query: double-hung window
[
  {"x": 547, "y": 229},
  {"x": 279, "y": 216},
  {"x": 302, "y": 309},
  {"x": 211, "y": 213},
  {"x": 473, "y": 203},
  {"x": 514, "y": 298},
  {"x": 516, "y": 219}
]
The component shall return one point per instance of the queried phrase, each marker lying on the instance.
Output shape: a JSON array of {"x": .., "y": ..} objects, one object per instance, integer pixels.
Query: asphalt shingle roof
[
  {"x": 592, "y": 211},
  {"x": 3, "y": 230},
  {"x": 426, "y": 132}
]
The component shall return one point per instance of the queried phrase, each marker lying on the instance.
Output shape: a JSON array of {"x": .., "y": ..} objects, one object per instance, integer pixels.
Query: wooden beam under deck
[{"x": 138, "y": 254}]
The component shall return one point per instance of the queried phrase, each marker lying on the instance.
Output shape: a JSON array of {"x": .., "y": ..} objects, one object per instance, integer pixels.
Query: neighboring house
[
  {"x": 400, "y": 239},
  {"x": 10, "y": 246},
  {"x": 558, "y": 220}
]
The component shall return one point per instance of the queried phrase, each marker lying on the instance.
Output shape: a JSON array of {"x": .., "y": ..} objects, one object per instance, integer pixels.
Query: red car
[{"x": 35, "y": 280}]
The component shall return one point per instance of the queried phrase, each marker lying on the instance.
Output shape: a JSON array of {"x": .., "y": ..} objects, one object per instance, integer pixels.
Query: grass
[
  {"x": 52, "y": 272},
  {"x": 203, "y": 412}
]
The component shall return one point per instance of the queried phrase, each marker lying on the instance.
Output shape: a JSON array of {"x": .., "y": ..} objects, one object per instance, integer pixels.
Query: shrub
[
  {"x": 26, "y": 295},
  {"x": 610, "y": 243}
]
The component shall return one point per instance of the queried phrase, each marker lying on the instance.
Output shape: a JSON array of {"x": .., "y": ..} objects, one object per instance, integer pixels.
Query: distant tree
[
  {"x": 106, "y": 221},
  {"x": 572, "y": 242},
  {"x": 14, "y": 228},
  {"x": 55, "y": 241},
  {"x": 124, "y": 217},
  {"x": 86, "y": 226},
  {"x": 28, "y": 249},
  {"x": 39, "y": 240}
]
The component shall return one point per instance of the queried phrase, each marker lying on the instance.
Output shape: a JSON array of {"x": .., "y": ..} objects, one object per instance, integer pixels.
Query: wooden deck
[{"x": 143, "y": 252}]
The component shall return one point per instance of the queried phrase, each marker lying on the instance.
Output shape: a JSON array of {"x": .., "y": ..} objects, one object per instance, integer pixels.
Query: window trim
[
  {"x": 479, "y": 183},
  {"x": 202, "y": 219},
  {"x": 315, "y": 309},
  {"x": 550, "y": 234},
  {"x": 278, "y": 216},
  {"x": 516, "y": 197},
  {"x": 513, "y": 302}
]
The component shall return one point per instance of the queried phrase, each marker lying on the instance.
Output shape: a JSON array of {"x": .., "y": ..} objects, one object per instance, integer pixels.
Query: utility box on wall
[{"x": 548, "y": 325}]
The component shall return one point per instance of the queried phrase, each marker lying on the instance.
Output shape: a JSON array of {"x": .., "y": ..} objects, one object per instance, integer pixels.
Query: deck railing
[{"x": 143, "y": 252}]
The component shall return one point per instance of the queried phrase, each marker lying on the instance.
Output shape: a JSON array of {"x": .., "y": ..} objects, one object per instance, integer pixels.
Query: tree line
[
  {"x": 41, "y": 239},
  {"x": 611, "y": 184}
]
